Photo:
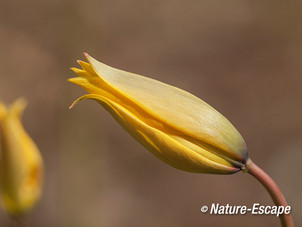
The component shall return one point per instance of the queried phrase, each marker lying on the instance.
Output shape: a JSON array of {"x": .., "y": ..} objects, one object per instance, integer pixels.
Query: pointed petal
[
  {"x": 80, "y": 72},
  {"x": 20, "y": 163},
  {"x": 17, "y": 108},
  {"x": 177, "y": 108},
  {"x": 166, "y": 147},
  {"x": 87, "y": 67}
]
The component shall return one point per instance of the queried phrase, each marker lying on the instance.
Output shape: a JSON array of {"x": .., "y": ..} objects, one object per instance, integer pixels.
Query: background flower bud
[
  {"x": 21, "y": 165},
  {"x": 174, "y": 125}
]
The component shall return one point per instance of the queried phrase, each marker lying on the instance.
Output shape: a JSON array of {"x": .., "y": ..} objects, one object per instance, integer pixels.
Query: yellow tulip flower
[
  {"x": 21, "y": 166},
  {"x": 176, "y": 126}
]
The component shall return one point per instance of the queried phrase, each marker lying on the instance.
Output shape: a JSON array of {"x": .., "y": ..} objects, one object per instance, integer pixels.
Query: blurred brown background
[{"x": 242, "y": 57}]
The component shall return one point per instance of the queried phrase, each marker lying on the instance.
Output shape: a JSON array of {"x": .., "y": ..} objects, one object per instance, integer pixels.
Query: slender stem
[{"x": 273, "y": 190}]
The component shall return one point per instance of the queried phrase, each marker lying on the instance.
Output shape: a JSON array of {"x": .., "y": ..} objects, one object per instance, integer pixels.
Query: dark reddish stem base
[{"x": 273, "y": 190}]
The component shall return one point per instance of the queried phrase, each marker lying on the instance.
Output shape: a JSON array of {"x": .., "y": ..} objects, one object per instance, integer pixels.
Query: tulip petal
[
  {"x": 87, "y": 67},
  {"x": 176, "y": 108},
  {"x": 80, "y": 72},
  {"x": 172, "y": 150},
  {"x": 21, "y": 166},
  {"x": 174, "y": 125}
]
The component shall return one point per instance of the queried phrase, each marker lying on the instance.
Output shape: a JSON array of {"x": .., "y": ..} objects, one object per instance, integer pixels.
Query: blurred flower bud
[
  {"x": 21, "y": 166},
  {"x": 176, "y": 126}
]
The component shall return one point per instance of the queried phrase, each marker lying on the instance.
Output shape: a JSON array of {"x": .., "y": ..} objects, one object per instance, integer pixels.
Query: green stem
[{"x": 273, "y": 190}]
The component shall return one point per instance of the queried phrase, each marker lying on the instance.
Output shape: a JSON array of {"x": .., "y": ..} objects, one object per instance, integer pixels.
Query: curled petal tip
[{"x": 72, "y": 105}]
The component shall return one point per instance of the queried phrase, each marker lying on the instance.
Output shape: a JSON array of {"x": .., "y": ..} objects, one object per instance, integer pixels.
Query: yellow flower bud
[
  {"x": 176, "y": 126},
  {"x": 21, "y": 166}
]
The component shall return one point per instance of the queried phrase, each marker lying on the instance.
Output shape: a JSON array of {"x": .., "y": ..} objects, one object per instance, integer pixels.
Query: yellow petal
[
  {"x": 175, "y": 107},
  {"x": 21, "y": 166},
  {"x": 177, "y": 114},
  {"x": 168, "y": 148}
]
